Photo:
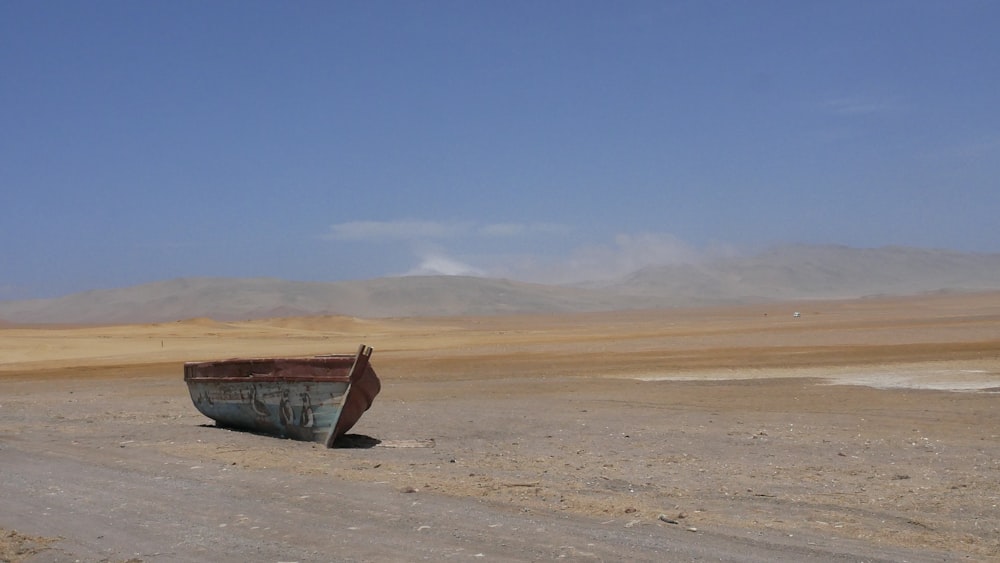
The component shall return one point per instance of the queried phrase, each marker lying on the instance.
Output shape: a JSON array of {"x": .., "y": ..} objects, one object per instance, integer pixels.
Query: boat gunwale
[
  {"x": 288, "y": 369},
  {"x": 271, "y": 378},
  {"x": 304, "y": 360}
]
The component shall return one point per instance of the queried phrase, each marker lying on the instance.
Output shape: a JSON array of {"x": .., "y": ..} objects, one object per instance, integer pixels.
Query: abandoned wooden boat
[{"x": 315, "y": 399}]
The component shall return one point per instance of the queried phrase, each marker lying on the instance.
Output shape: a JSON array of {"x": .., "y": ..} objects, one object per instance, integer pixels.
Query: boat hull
[{"x": 313, "y": 399}]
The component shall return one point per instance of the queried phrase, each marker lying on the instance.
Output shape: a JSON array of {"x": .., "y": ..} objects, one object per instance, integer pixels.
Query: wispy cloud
[
  {"x": 515, "y": 250},
  {"x": 396, "y": 230},
  {"x": 522, "y": 229},
  {"x": 625, "y": 254},
  {"x": 436, "y": 230},
  {"x": 439, "y": 264}
]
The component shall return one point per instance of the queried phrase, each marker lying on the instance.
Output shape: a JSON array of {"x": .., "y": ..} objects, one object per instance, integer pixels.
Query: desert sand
[{"x": 861, "y": 430}]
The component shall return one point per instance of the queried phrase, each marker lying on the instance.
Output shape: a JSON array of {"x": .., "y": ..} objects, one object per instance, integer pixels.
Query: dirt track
[{"x": 525, "y": 438}]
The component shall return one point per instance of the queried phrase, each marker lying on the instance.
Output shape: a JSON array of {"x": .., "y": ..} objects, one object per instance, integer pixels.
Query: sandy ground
[{"x": 863, "y": 430}]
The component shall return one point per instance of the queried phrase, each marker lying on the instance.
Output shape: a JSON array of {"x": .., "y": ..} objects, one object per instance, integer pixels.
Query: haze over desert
[
  {"x": 644, "y": 281},
  {"x": 860, "y": 430}
]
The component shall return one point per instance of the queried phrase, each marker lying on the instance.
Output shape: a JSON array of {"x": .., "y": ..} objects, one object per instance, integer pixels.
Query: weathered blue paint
[
  {"x": 288, "y": 409},
  {"x": 314, "y": 399}
]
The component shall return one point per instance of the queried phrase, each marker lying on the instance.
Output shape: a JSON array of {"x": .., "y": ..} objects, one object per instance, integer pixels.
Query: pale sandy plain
[{"x": 862, "y": 430}]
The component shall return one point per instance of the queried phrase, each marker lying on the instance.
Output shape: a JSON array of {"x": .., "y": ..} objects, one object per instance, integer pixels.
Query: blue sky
[{"x": 543, "y": 141}]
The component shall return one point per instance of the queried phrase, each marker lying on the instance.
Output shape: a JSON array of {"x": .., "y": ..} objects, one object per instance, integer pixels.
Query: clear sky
[{"x": 538, "y": 140}]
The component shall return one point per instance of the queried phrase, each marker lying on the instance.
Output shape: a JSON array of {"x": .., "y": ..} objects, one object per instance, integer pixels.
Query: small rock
[
  {"x": 630, "y": 510},
  {"x": 408, "y": 490}
]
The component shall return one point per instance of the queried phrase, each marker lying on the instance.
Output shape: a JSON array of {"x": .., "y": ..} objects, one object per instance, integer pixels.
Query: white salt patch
[
  {"x": 901, "y": 377},
  {"x": 939, "y": 380}
]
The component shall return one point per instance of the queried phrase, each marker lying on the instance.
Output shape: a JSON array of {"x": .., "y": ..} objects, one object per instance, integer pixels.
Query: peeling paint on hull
[{"x": 313, "y": 399}]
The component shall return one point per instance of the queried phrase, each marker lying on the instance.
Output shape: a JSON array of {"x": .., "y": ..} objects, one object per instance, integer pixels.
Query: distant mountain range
[{"x": 785, "y": 273}]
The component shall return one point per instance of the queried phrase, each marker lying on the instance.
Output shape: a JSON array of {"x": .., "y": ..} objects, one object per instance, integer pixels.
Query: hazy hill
[
  {"x": 236, "y": 299},
  {"x": 795, "y": 272},
  {"x": 818, "y": 272}
]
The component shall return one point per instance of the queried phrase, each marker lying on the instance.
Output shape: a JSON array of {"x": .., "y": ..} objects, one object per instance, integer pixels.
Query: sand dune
[{"x": 676, "y": 341}]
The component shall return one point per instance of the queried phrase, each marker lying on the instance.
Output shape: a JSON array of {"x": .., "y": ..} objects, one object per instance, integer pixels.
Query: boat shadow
[
  {"x": 346, "y": 441},
  {"x": 356, "y": 441}
]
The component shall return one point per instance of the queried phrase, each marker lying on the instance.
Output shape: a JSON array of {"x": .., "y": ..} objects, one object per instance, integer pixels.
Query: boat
[{"x": 314, "y": 399}]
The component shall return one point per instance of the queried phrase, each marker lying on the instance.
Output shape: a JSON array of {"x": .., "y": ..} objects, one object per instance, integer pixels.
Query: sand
[{"x": 860, "y": 430}]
